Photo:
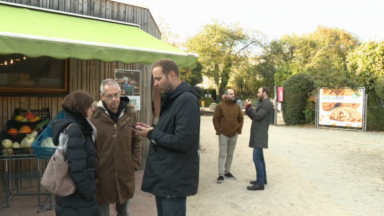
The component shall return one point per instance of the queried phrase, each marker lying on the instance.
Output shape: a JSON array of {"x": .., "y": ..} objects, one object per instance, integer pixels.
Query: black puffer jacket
[
  {"x": 172, "y": 168},
  {"x": 81, "y": 158}
]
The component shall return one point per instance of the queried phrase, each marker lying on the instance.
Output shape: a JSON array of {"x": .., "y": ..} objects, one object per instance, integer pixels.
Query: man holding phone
[
  {"x": 261, "y": 117},
  {"x": 172, "y": 169}
]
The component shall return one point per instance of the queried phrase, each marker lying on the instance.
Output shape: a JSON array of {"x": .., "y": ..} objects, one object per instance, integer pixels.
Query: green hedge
[
  {"x": 379, "y": 88},
  {"x": 296, "y": 91},
  {"x": 208, "y": 101},
  {"x": 375, "y": 117}
]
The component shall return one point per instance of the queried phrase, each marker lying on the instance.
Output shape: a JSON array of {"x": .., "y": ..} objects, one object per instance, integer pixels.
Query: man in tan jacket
[
  {"x": 228, "y": 121},
  {"x": 118, "y": 149}
]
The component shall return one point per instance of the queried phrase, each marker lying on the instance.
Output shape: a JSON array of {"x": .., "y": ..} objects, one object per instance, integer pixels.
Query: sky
[{"x": 273, "y": 18}]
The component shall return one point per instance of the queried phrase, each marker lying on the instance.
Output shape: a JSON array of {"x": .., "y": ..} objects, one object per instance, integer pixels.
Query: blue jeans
[
  {"x": 258, "y": 159},
  {"x": 171, "y": 206}
]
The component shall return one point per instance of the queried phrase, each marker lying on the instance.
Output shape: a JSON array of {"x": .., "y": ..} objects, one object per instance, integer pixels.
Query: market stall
[{"x": 47, "y": 53}]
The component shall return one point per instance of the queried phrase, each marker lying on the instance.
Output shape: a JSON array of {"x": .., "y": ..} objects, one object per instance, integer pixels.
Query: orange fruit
[
  {"x": 12, "y": 131},
  {"x": 25, "y": 129},
  {"x": 32, "y": 120}
]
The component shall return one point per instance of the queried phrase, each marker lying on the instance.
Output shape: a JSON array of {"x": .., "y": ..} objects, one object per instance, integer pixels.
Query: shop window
[{"x": 24, "y": 75}]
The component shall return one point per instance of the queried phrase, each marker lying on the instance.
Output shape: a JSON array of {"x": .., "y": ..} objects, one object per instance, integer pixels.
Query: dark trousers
[
  {"x": 171, "y": 206},
  {"x": 258, "y": 159}
]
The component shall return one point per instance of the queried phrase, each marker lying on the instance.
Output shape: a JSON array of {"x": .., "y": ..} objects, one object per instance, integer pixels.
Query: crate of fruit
[
  {"x": 43, "y": 145},
  {"x": 32, "y": 118},
  {"x": 11, "y": 147},
  {"x": 17, "y": 132}
]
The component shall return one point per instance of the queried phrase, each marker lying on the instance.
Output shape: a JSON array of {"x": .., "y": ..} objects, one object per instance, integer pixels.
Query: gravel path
[{"x": 310, "y": 172}]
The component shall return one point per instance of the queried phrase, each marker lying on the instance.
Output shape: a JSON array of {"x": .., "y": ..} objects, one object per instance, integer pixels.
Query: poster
[
  {"x": 129, "y": 82},
  {"x": 280, "y": 94},
  {"x": 341, "y": 107}
]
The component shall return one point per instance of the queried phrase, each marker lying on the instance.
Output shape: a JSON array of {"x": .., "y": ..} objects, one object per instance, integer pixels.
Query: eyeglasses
[{"x": 110, "y": 97}]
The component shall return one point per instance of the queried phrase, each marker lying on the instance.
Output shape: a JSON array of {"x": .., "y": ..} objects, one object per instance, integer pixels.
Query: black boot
[
  {"x": 255, "y": 182},
  {"x": 256, "y": 187}
]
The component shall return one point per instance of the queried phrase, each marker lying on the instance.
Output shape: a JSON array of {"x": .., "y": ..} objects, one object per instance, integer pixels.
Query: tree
[
  {"x": 222, "y": 47},
  {"x": 337, "y": 40},
  {"x": 168, "y": 35},
  {"x": 193, "y": 77},
  {"x": 247, "y": 82},
  {"x": 275, "y": 62},
  {"x": 321, "y": 54},
  {"x": 366, "y": 63}
]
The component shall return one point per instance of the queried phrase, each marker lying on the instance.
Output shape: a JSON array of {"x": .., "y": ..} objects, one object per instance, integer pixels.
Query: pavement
[
  {"x": 142, "y": 204},
  {"x": 310, "y": 172}
]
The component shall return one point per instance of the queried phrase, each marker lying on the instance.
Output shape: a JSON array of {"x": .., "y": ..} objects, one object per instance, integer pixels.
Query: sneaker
[
  {"x": 220, "y": 179},
  {"x": 230, "y": 176}
]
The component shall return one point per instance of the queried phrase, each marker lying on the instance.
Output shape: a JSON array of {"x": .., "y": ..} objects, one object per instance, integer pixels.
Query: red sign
[{"x": 280, "y": 94}]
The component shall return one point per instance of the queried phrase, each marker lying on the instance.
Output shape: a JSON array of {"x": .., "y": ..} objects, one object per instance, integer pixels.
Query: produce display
[
  {"x": 22, "y": 130},
  {"x": 7, "y": 143},
  {"x": 26, "y": 143},
  {"x": 28, "y": 117},
  {"x": 48, "y": 143}
]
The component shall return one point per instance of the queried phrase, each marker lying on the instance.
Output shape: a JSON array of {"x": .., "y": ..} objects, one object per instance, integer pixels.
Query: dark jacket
[
  {"x": 119, "y": 151},
  {"x": 172, "y": 168},
  {"x": 261, "y": 118},
  {"x": 81, "y": 158},
  {"x": 228, "y": 118}
]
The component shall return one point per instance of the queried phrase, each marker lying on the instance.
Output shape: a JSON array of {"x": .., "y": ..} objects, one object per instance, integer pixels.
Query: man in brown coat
[
  {"x": 118, "y": 149},
  {"x": 228, "y": 121}
]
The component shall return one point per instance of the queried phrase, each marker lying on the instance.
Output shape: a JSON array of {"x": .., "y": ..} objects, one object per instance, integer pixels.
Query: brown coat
[
  {"x": 119, "y": 153},
  {"x": 228, "y": 118}
]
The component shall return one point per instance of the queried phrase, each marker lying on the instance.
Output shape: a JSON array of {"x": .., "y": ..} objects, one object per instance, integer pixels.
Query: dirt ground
[{"x": 310, "y": 172}]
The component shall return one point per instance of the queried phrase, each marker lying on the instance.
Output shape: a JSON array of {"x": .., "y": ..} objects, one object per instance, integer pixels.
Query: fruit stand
[
  {"x": 52, "y": 59},
  {"x": 22, "y": 130},
  {"x": 17, "y": 139}
]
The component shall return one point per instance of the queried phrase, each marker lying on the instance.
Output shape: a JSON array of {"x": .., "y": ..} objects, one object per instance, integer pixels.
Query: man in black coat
[
  {"x": 261, "y": 118},
  {"x": 172, "y": 169}
]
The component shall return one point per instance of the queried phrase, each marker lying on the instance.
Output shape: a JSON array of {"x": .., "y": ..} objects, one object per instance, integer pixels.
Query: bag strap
[{"x": 66, "y": 129}]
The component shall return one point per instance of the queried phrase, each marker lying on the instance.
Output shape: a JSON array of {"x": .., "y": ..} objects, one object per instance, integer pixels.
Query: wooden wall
[{"x": 86, "y": 75}]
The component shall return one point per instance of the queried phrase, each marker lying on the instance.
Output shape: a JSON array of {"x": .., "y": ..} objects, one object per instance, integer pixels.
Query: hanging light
[
  {"x": 6, "y": 63},
  {"x": 24, "y": 58},
  {"x": 11, "y": 61}
]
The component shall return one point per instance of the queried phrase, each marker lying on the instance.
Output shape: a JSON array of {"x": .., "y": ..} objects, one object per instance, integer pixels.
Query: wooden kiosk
[{"x": 51, "y": 48}]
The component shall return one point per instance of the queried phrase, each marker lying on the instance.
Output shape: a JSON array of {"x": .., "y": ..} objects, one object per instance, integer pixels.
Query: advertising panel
[
  {"x": 129, "y": 82},
  {"x": 280, "y": 94},
  {"x": 341, "y": 107}
]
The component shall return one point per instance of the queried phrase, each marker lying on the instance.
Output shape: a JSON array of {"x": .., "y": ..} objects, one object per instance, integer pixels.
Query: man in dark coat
[
  {"x": 172, "y": 168},
  {"x": 259, "y": 134}
]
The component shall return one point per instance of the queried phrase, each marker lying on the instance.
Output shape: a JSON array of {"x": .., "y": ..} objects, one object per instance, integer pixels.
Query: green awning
[{"x": 37, "y": 33}]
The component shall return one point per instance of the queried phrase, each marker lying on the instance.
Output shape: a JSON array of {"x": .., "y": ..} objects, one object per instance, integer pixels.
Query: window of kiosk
[{"x": 21, "y": 74}]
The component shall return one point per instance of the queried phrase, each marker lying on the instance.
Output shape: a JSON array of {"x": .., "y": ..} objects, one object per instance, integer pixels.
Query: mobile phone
[{"x": 131, "y": 125}]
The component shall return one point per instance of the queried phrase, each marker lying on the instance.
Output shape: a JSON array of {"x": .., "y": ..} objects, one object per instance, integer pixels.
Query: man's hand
[
  {"x": 142, "y": 125},
  {"x": 247, "y": 102},
  {"x": 142, "y": 129}
]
